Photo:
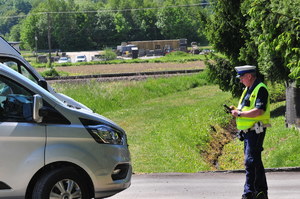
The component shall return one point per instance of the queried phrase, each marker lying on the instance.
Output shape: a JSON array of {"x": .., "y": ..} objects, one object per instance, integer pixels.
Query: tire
[{"x": 62, "y": 183}]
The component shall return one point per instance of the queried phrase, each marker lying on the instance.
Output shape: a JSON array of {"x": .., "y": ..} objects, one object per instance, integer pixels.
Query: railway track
[{"x": 122, "y": 76}]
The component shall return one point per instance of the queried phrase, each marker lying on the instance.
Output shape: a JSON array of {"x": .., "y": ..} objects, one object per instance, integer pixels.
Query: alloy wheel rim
[{"x": 66, "y": 189}]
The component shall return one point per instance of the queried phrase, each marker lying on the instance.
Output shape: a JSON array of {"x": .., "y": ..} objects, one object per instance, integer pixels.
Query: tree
[
  {"x": 145, "y": 25},
  {"x": 69, "y": 31},
  {"x": 264, "y": 29},
  {"x": 29, "y": 29},
  {"x": 9, "y": 10},
  {"x": 105, "y": 29},
  {"x": 8, "y": 21},
  {"x": 274, "y": 28},
  {"x": 224, "y": 30},
  {"x": 15, "y": 33},
  {"x": 177, "y": 22},
  {"x": 93, "y": 24},
  {"x": 122, "y": 26},
  {"x": 265, "y": 34}
]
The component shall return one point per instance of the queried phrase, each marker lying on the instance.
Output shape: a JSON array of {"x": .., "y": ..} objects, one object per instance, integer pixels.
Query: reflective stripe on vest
[{"x": 244, "y": 123}]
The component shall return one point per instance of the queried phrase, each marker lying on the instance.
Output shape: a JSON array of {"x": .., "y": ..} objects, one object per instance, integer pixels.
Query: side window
[
  {"x": 27, "y": 74},
  {"x": 16, "y": 105},
  {"x": 15, "y": 101},
  {"x": 17, "y": 66},
  {"x": 11, "y": 64}
]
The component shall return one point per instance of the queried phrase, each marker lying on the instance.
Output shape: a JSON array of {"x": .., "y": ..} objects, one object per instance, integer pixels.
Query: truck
[{"x": 156, "y": 47}]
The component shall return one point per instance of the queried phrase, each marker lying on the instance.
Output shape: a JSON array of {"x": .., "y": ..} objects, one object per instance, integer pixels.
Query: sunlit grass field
[{"x": 168, "y": 122}]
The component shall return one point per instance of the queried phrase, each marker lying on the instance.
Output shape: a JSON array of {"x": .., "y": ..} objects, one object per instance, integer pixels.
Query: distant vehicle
[
  {"x": 167, "y": 49},
  {"x": 81, "y": 58},
  {"x": 195, "y": 49},
  {"x": 64, "y": 60},
  {"x": 205, "y": 52},
  {"x": 98, "y": 58},
  {"x": 126, "y": 51}
]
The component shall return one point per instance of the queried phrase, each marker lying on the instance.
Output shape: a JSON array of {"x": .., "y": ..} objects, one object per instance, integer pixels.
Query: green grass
[
  {"x": 118, "y": 95},
  {"x": 168, "y": 122},
  {"x": 167, "y": 133},
  {"x": 281, "y": 145}
]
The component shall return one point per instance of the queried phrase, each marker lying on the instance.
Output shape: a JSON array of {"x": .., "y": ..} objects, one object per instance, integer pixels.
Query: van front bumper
[
  {"x": 119, "y": 177},
  {"x": 116, "y": 186}
]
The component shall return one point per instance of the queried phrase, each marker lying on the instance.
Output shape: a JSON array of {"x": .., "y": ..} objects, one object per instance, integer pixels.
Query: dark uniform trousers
[{"x": 255, "y": 171}]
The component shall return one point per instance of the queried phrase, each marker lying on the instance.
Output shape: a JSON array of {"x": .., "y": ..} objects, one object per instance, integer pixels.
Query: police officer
[{"x": 252, "y": 117}]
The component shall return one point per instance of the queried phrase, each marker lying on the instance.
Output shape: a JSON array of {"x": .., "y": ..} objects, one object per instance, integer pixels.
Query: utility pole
[
  {"x": 36, "y": 53},
  {"x": 49, "y": 37}
]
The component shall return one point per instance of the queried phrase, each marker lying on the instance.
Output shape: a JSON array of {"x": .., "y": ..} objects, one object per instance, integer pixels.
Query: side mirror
[
  {"x": 37, "y": 105},
  {"x": 43, "y": 84}
]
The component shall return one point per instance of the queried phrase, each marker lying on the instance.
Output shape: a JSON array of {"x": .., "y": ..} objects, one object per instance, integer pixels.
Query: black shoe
[
  {"x": 248, "y": 196},
  {"x": 261, "y": 195}
]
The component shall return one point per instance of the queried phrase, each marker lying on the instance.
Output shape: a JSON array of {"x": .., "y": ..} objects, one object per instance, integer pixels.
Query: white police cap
[{"x": 241, "y": 70}]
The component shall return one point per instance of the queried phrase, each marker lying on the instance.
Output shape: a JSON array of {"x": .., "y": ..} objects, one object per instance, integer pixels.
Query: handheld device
[{"x": 227, "y": 108}]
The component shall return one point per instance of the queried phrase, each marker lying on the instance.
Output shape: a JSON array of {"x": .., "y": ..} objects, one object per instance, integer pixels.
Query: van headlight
[{"x": 106, "y": 135}]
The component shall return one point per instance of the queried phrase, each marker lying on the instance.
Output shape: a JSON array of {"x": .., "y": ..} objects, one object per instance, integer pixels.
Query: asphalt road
[{"x": 282, "y": 185}]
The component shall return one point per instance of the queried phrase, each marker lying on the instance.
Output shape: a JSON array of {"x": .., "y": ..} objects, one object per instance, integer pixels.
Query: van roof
[{"x": 6, "y": 48}]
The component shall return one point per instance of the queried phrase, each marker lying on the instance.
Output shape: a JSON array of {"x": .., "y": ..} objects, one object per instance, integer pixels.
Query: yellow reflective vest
[{"x": 244, "y": 123}]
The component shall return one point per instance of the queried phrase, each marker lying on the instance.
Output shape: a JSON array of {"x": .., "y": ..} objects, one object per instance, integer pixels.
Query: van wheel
[{"x": 61, "y": 183}]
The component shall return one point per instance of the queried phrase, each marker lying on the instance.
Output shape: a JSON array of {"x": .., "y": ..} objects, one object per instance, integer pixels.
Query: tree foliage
[
  {"x": 264, "y": 33},
  {"x": 267, "y": 29},
  {"x": 9, "y": 10},
  {"x": 225, "y": 26},
  {"x": 225, "y": 31},
  {"x": 94, "y": 24}
]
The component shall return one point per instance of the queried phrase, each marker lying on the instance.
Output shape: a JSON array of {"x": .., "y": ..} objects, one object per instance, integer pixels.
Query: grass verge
[
  {"x": 169, "y": 123},
  {"x": 167, "y": 120}
]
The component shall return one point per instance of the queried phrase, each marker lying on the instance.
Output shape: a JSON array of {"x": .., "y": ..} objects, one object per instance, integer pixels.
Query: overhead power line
[{"x": 107, "y": 10}]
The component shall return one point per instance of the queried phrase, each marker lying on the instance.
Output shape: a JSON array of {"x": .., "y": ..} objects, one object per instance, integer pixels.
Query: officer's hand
[
  {"x": 232, "y": 107},
  {"x": 234, "y": 113}
]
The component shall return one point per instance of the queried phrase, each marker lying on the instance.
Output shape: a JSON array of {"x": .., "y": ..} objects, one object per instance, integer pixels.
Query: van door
[{"x": 22, "y": 142}]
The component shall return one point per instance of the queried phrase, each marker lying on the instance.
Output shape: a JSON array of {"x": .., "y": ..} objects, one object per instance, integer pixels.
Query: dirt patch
[
  {"x": 220, "y": 136},
  {"x": 127, "y": 68}
]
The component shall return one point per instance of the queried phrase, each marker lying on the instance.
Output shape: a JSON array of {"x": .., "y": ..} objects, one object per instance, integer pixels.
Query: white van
[{"x": 52, "y": 146}]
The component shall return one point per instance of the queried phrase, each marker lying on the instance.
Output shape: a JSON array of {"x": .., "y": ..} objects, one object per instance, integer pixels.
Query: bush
[
  {"x": 109, "y": 54},
  {"x": 277, "y": 92},
  {"x": 53, "y": 73},
  {"x": 177, "y": 54}
]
